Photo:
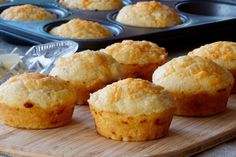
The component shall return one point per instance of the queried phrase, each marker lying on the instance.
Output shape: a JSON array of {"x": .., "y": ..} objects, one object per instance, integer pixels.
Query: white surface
[{"x": 8, "y": 60}]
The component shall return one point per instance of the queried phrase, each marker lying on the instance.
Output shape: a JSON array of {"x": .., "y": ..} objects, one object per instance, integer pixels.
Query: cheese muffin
[
  {"x": 92, "y": 4},
  {"x": 200, "y": 86},
  {"x": 139, "y": 58},
  {"x": 87, "y": 71},
  {"x": 36, "y": 101},
  {"x": 2, "y": 1},
  {"x": 132, "y": 110},
  {"x": 81, "y": 29},
  {"x": 27, "y": 12},
  {"x": 148, "y": 14},
  {"x": 223, "y": 53}
]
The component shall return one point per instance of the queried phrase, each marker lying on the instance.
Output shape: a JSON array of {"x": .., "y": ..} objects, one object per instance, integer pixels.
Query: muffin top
[
  {"x": 148, "y": 14},
  {"x": 81, "y": 29},
  {"x": 93, "y": 4},
  {"x": 193, "y": 74},
  {"x": 132, "y": 96},
  {"x": 29, "y": 89},
  {"x": 221, "y": 52},
  {"x": 27, "y": 12},
  {"x": 87, "y": 69},
  {"x": 137, "y": 52}
]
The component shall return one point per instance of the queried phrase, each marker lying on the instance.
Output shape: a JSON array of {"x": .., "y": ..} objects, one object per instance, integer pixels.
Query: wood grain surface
[{"x": 187, "y": 136}]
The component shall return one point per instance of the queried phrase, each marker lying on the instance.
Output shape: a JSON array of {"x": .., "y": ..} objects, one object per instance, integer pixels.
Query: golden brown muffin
[
  {"x": 2, "y": 1},
  {"x": 87, "y": 71},
  {"x": 148, "y": 14},
  {"x": 81, "y": 29},
  {"x": 200, "y": 86},
  {"x": 223, "y": 53},
  {"x": 93, "y": 4},
  {"x": 132, "y": 110},
  {"x": 36, "y": 101},
  {"x": 139, "y": 58},
  {"x": 27, "y": 12}
]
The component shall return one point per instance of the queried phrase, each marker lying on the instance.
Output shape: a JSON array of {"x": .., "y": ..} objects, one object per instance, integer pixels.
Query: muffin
[
  {"x": 81, "y": 29},
  {"x": 2, "y": 1},
  {"x": 148, "y": 14},
  {"x": 87, "y": 71},
  {"x": 27, "y": 12},
  {"x": 132, "y": 110},
  {"x": 36, "y": 101},
  {"x": 200, "y": 87},
  {"x": 92, "y": 4},
  {"x": 139, "y": 58},
  {"x": 223, "y": 53}
]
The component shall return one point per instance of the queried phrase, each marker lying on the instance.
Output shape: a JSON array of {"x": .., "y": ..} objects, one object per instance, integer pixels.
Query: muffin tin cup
[
  {"x": 211, "y": 16},
  {"x": 86, "y": 43},
  {"x": 207, "y": 9}
]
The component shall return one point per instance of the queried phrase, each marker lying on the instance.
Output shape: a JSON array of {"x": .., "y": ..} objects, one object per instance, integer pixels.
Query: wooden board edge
[
  {"x": 215, "y": 142},
  {"x": 201, "y": 146},
  {"x": 20, "y": 153}
]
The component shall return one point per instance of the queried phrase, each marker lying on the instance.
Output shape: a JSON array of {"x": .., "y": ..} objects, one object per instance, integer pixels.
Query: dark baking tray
[{"x": 200, "y": 18}]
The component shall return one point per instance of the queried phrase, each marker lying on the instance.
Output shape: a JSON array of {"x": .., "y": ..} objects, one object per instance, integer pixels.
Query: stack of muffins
[{"x": 115, "y": 81}]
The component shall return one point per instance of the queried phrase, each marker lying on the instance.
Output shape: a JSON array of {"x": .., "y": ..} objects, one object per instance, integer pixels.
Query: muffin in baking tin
[
  {"x": 81, "y": 29},
  {"x": 36, "y": 101},
  {"x": 222, "y": 52},
  {"x": 138, "y": 58},
  {"x": 101, "y": 5},
  {"x": 150, "y": 14},
  {"x": 132, "y": 110},
  {"x": 27, "y": 12},
  {"x": 87, "y": 71},
  {"x": 200, "y": 86}
]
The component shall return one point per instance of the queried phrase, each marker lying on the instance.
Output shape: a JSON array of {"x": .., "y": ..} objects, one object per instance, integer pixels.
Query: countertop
[{"x": 227, "y": 149}]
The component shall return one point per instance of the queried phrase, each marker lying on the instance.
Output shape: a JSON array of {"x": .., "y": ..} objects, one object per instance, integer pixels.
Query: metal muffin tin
[{"x": 198, "y": 16}]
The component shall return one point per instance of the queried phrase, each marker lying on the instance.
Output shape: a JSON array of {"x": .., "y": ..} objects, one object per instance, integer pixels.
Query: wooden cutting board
[{"x": 187, "y": 136}]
